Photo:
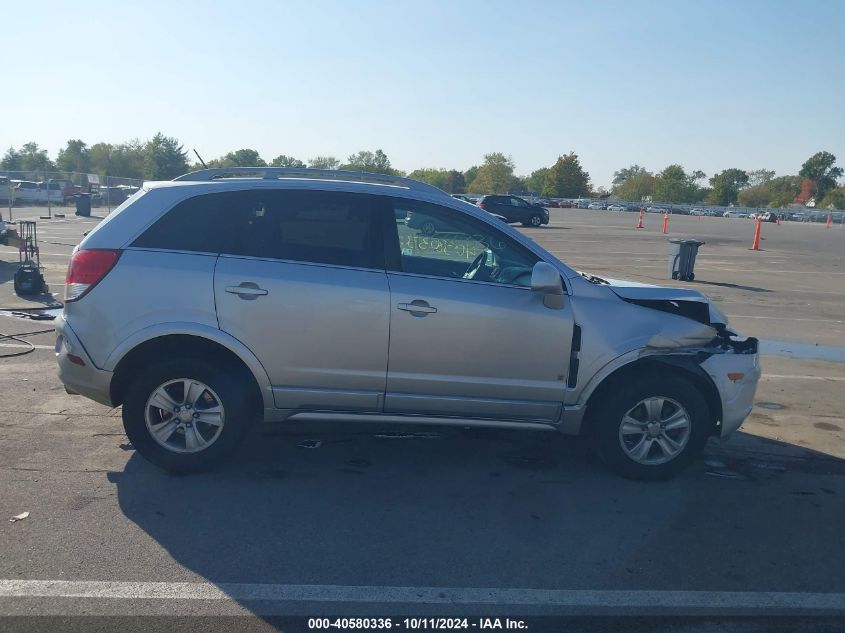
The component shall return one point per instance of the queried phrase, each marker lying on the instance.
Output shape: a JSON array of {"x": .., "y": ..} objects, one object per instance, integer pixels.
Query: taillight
[
  {"x": 482, "y": 206},
  {"x": 86, "y": 269}
]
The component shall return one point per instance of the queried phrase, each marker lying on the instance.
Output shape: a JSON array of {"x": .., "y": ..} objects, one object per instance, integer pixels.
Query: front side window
[{"x": 442, "y": 242}]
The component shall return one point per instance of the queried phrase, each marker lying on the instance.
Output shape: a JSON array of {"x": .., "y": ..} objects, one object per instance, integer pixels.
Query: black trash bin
[
  {"x": 83, "y": 204},
  {"x": 682, "y": 254}
]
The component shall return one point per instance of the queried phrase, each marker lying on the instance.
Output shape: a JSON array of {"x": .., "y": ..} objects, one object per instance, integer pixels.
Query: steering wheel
[{"x": 476, "y": 265}]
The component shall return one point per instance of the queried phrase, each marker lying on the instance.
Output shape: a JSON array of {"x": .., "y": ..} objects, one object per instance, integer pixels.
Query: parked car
[
  {"x": 110, "y": 196},
  {"x": 734, "y": 214},
  {"x": 583, "y": 203},
  {"x": 26, "y": 192},
  {"x": 465, "y": 198},
  {"x": 697, "y": 212},
  {"x": 210, "y": 303},
  {"x": 619, "y": 208},
  {"x": 564, "y": 204},
  {"x": 596, "y": 205},
  {"x": 515, "y": 209},
  {"x": 656, "y": 210}
]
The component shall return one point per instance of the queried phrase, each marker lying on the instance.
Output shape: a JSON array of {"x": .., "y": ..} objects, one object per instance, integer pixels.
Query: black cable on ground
[{"x": 16, "y": 337}]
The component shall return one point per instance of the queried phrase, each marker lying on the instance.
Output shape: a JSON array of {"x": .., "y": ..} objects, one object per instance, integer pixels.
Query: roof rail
[{"x": 270, "y": 173}]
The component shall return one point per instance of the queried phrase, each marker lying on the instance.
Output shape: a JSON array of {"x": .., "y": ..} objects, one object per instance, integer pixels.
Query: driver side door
[{"x": 468, "y": 337}]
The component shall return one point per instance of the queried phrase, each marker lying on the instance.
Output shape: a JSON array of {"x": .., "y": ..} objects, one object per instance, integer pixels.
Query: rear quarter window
[{"x": 199, "y": 224}]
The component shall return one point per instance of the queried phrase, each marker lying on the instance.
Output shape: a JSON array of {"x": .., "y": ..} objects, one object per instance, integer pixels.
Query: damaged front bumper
[{"x": 734, "y": 366}]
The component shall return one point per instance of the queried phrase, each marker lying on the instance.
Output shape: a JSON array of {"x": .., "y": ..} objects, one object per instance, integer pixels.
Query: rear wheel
[
  {"x": 187, "y": 415},
  {"x": 535, "y": 221},
  {"x": 651, "y": 428}
]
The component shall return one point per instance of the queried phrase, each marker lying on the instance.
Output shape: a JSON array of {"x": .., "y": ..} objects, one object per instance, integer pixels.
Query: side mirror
[{"x": 545, "y": 279}]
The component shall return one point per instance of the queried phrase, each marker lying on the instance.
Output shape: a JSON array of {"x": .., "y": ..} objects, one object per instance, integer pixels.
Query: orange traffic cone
[
  {"x": 777, "y": 221},
  {"x": 755, "y": 246},
  {"x": 827, "y": 224},
  {"x": 665, "y": 223},
  {"x": 640, "y": 224}
]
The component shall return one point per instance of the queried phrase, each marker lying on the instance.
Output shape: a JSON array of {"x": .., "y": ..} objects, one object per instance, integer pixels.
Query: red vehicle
[{"x": 564, "y": 204}]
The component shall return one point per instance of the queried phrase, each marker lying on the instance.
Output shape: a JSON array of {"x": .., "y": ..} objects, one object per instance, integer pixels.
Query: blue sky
[{"x": 711, "y": 85}]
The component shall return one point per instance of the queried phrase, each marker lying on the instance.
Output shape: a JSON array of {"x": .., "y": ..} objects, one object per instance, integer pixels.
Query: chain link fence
[{"x": 59, "y": 189}]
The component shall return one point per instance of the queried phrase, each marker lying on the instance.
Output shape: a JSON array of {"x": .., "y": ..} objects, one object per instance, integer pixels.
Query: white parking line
[
  {"x": 786, "y": 377},
  {"x": 713, "y": 601}
]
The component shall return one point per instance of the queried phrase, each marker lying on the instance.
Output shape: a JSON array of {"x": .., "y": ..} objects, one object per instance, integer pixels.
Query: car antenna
[{"x": 202, "y": 162}]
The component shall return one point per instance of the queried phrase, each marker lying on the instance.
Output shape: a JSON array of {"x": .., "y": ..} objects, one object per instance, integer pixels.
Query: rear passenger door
[{"x": 301, "y": 282}]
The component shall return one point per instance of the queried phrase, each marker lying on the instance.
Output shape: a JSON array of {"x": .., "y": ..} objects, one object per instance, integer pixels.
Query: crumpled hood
[{"x": 635, "y": 291}]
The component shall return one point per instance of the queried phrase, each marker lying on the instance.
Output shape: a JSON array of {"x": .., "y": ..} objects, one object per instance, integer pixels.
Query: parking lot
[{"x": 327, "y": 519}]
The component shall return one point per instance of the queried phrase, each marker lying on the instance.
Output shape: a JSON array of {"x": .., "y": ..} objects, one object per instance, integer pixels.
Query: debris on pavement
[
  {"x": 19, "y": 517},
  {"x": 310, "y": 444}
]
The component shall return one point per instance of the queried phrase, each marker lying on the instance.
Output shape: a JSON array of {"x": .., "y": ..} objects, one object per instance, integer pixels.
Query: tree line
[{"x": 164, "y": 158}]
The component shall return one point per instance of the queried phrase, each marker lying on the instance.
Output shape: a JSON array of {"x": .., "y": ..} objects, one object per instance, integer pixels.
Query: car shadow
[
  {"x": 399, "y": 506},
  {"x": 729, "y": 285}
]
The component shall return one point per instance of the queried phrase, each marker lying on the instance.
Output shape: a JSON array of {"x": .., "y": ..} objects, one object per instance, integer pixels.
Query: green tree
[
  {"x": 834, "y": 198},
  {"x": 566, "y": 178},
  {"x": 436, "y": 177},
  {"x": 774, "y": 193},
  {"x": 469, "y": 176},
  {"x": 239, "y": 158},
  {"x": 635, "y": 188},
  {"x": 758, "y": 177},
  {"x": 626, "y": 173},
  {"x": 673, "y": 184},
  {"x": 11, "y": 160},
  {"x": 537, "y": 180},
  {"x": 286, "y": 161},
  {"x": 324, "y": 162},
  {"x": 374, "y": 162},
  {"x": 494, "y": 175},
  {"x": 726, "y": 186},
  {"x": 455, "y": 182},
  {"x": 518, "y": 185},
  {"x": 164, "y": 158},
  {"x": 33, "y": 158},
  {"x": 820, "y": 169},
  {"x": 74, "y": 157}
]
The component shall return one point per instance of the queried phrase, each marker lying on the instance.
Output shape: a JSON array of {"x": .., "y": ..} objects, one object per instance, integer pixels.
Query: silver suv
[{"x": 234, "y": 295}]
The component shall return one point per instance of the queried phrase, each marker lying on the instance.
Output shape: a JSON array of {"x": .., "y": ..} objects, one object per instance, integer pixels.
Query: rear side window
[
  {"x": 308, "y": 226},
  {"x": 199, "y": 224}
]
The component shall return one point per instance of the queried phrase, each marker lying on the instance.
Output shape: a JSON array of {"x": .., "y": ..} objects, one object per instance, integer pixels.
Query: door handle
[
  {"x": 247, "y": 290},
  {"x": 418, "y": 307}
]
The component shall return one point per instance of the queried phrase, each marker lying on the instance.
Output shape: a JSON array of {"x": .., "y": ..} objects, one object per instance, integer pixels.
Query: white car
[
  {"x": 734, "y": 214},
  {"x": 595, "y": 205},
  {"x": 696, "y": 212},
  {"x": 656, "y": 210},
  {"x": 29, "y": 191},
  {"x": 616, "y": 207}
]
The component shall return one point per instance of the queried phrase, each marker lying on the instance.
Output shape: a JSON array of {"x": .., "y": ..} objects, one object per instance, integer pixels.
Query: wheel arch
[
  {"x": 683, "y": 365},
  {"x": 140, "y": 350}
]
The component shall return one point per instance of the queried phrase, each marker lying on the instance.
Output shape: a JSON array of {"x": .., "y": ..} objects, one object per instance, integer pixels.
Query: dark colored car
[{"x": 515, "y": 209}]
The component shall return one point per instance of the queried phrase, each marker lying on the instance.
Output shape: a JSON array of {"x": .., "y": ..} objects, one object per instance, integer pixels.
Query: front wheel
[
  {"x": 651, "y": 428},
  {"x": 187, "y": 415}
]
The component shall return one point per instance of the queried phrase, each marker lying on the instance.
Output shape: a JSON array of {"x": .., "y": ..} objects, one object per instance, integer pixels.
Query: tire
[
  {"x": 535, "y": 221},
  {"x": 616, "y": 448},
  {"x": 428, "y": 228},
  {"x": 222, "y": 385}
]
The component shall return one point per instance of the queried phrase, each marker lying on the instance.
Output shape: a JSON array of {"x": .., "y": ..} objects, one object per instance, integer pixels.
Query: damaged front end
[{"x": 706, "y": 346}]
